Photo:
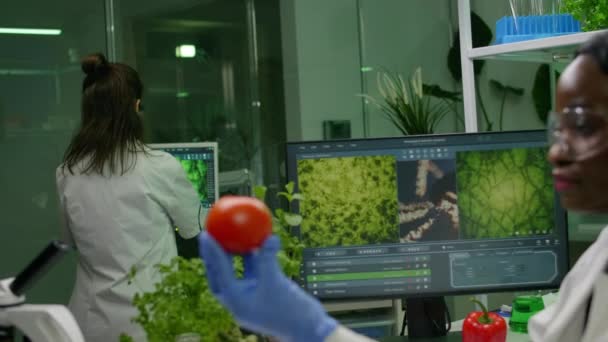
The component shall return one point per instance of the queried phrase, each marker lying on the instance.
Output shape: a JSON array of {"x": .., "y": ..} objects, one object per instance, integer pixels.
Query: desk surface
[
  {"x": 454, "y": 337},
  {"x": 451, "y": 337}
]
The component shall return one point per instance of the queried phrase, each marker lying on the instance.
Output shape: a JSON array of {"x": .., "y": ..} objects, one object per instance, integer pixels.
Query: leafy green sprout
[{"x": 283, "y": 224}]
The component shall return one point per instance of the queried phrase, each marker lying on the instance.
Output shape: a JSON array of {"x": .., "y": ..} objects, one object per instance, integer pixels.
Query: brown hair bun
[{"x": 94, "y": 64}]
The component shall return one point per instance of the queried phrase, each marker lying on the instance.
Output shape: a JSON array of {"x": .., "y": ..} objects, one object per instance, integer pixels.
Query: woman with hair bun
[{"x": 120, "y": 202}]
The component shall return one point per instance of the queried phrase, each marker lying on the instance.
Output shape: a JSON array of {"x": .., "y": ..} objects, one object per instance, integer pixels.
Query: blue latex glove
[{"x": 264, "y": 301}]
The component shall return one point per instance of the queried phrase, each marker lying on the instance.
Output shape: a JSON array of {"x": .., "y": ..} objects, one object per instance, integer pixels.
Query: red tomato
[{"x": 239, "y": 223}]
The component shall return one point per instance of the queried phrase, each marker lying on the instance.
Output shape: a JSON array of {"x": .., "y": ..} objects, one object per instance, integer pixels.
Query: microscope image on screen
[
  {"x": 196, "y": 171},
  {"x": 348, "y": 200},
  {"x": 505, "y": 193},
  {"x": 428, "y": 207}
]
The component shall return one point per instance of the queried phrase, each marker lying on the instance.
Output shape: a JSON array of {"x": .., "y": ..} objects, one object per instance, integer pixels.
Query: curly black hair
[{"x": 596, "y": 47}]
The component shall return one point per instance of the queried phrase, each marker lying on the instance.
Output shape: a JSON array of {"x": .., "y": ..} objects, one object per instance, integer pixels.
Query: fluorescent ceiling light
[
  {"x": 44, "y": 32},
  {"x": 185, "y": 51}
]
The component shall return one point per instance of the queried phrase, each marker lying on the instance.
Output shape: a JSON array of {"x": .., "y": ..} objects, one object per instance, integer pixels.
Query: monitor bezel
[
  {"x": 559, "y": 208},
  {"x": 205, "y": 144}
]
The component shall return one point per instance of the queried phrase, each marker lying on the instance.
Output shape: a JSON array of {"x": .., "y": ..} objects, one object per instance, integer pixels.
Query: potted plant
[
  {"x": 182, "y": 307},
  {"x": 406, "y": 104}
]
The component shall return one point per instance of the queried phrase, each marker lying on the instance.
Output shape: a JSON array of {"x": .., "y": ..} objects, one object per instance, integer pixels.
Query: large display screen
[{"x": 428, "y": 215}]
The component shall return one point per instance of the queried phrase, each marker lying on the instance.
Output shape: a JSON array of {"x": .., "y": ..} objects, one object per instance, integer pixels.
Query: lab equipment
[
  {"x": 200, "y": 161},
  {"x": 524, "y": 307},
  {"x": 417, "y": 217},
  {"x": 510, "y": 29},
  {"x": 41, "y": 323},
  {"x": 264, "y": 300}
]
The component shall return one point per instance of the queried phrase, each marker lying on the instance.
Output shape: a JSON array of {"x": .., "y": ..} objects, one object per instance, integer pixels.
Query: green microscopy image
[
  {"x": 504, "y": 193},
  {"x": 348, "y": 201},
  {"x": 196, "y": 171}
]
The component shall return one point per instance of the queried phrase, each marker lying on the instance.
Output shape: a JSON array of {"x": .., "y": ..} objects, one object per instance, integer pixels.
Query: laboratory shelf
[{"x": 543, "y": 50}]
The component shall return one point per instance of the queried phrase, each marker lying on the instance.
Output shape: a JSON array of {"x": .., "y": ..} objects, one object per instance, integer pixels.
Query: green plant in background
[
  {"x": 183, "y": 303},
  {"x": 593, "y": 14},
  {"x": 541, "y": 92},
  {"x": 196, "y": 171},
  {"x": 481, "y": 35},
  {"x": 283, "y": 224},
  {"x": 406, "y": 105},
  {"x": 505, "y": 90},
  {"x": 504, "y": 193},
  {"x": 349, "y": 201}
]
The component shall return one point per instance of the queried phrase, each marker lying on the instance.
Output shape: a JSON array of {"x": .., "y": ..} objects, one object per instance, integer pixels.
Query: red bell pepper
[{"x": 483, "y": 326}]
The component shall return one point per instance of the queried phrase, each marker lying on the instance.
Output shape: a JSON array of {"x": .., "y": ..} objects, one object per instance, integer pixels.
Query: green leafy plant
[
  {"x": 541, "y": 92},
  {"x": 505, "y": 90},
  {"x": 593, "y": 14},
  {"x": 481, "y": 36},
  {"x": 406, "y": 104},
  {"x": 284, "y": 223},
  {"x": 183, "y": 303}
]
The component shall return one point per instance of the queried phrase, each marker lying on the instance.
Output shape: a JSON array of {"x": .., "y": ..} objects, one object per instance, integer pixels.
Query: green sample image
[
  {"x": 348, "y": 201},
  {"x": 196, "y": 171},
  {"x": 504, "y": 193}
]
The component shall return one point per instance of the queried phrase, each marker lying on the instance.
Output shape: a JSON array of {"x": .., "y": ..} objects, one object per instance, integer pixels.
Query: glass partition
[
  {"x": 40, "y": 81},
  {"x": 212, "y": 72}
]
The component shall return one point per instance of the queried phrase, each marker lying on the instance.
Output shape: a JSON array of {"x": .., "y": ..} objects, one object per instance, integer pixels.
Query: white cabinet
[{"x": 547, "y": 50}]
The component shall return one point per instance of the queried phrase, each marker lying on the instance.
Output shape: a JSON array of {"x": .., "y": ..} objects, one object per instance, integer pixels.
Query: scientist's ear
[{"x": 138, "y": 106}]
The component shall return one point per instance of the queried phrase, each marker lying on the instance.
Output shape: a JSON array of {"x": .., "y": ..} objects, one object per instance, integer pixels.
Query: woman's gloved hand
[{"x": 264, "y": 301}]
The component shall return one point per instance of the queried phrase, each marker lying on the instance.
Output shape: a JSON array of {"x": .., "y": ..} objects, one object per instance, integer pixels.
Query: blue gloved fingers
[
  {"x": 220, "y": 271},
  {"x": 250, "y": 269},
  {"x": 258, "y": 261}
]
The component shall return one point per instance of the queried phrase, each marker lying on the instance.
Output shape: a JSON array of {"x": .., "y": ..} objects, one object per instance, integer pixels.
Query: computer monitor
[
  {"x": 199, "y": 161},
  {"x": 425, "y": 216}
]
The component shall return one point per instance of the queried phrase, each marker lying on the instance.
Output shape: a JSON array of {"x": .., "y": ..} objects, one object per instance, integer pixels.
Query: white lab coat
[
  {"x": 564, "y": 320},
  {"x": 118, "y": 222}
]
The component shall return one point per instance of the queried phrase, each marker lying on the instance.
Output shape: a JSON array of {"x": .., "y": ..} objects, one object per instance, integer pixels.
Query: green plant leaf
[
  {"x": 286, "y": 195},
  {"x": 289, "y": 186},
  {"x": 181, "y": 303},
  {"x": 541, "y": 92},
  {"x": 298, "y": 197},
  {"x": 259, "y": 191},
  {"x": 497, "y": 85},
  {"x": 481, "y": 36},
  {"x": 438, "y": 92},
  {"x": 293, "y": 219},
  {"x": 505, "y": 88}
]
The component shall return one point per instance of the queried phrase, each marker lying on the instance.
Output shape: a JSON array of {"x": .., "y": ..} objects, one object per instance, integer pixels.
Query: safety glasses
[{"x": 578, "y": 131}]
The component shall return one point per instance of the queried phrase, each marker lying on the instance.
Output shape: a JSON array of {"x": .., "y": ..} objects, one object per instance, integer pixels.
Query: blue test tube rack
[{"x": 509, "y": 30}]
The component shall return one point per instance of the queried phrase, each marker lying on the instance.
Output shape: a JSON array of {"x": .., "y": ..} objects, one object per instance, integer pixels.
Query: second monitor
[{"x": 428, "y": 216}]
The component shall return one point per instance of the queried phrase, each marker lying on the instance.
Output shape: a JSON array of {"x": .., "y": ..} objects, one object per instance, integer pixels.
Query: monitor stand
[{"x": 427, "y": 317}]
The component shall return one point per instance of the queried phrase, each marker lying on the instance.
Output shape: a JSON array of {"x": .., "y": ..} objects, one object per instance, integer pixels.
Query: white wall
[
  {"x": 400, "y": 36},
  {"x": 321, "y": 66},
  {"x": 323, "y": 54}
]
